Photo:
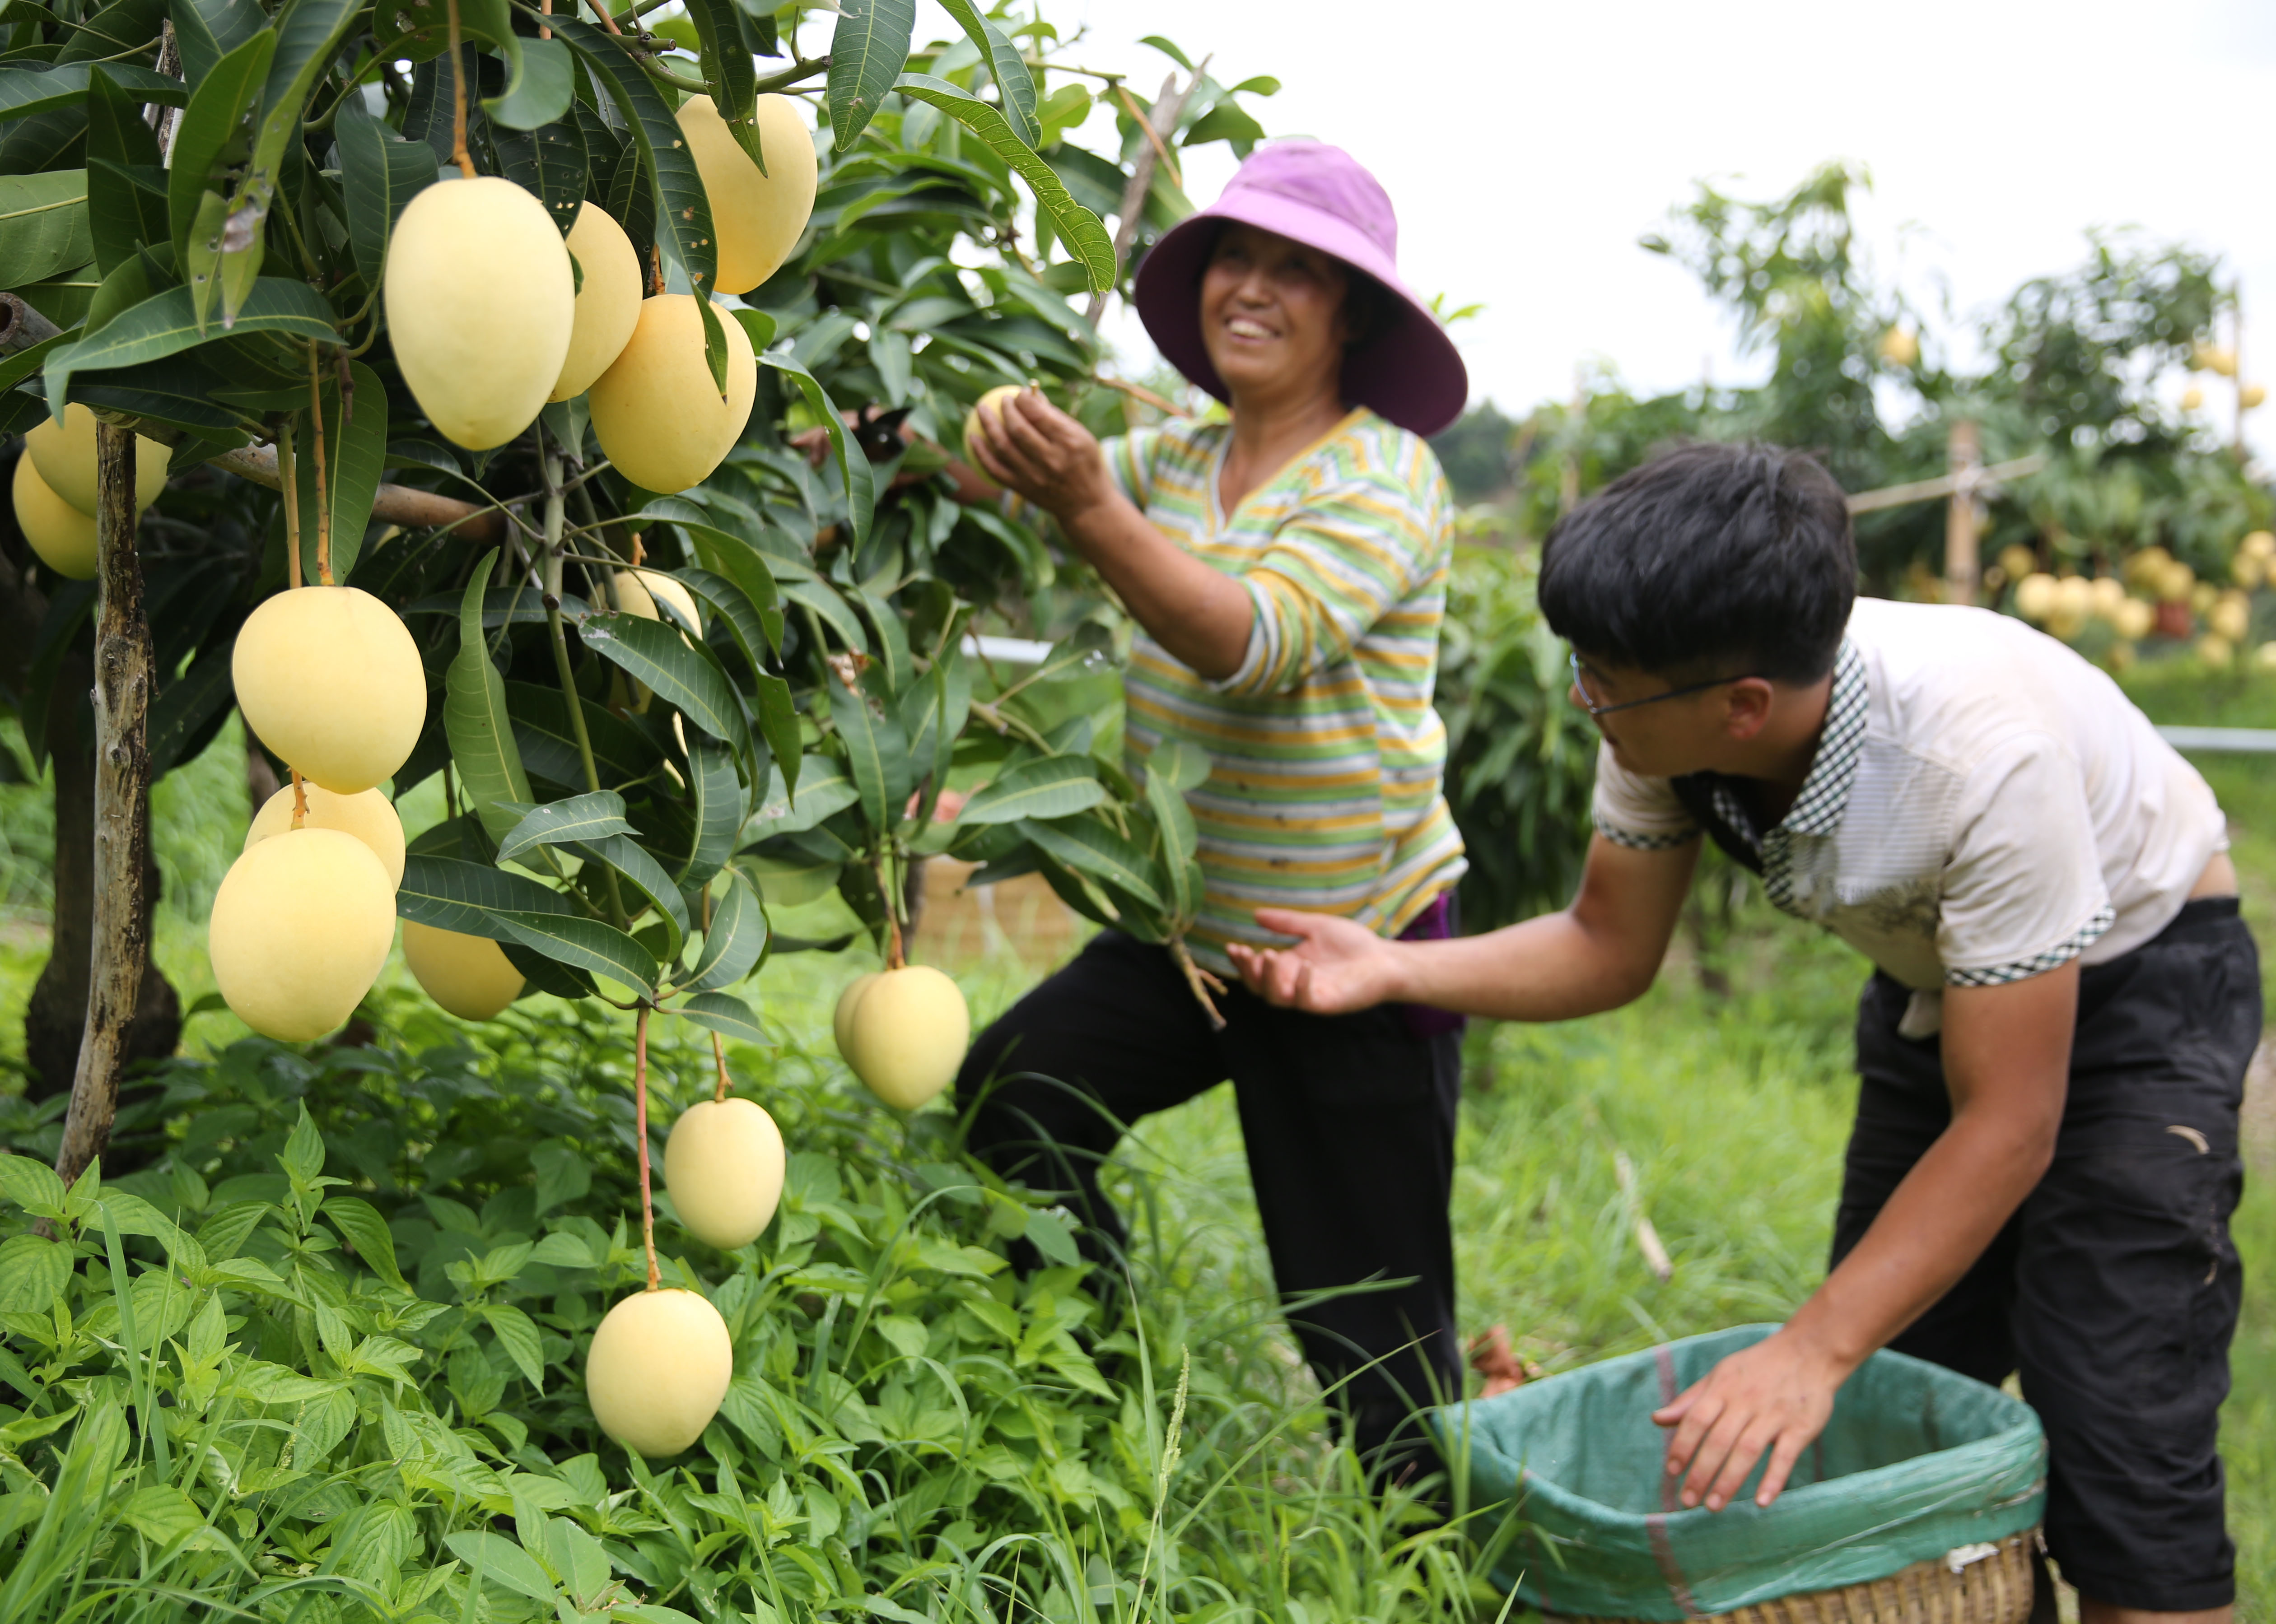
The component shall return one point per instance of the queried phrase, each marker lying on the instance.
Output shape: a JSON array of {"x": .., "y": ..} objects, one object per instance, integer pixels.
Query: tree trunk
[{"x": 121, "y": 932}]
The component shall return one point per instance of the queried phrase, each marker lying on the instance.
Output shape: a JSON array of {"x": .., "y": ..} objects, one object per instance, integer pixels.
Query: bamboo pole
[
  {"x": 122, "y": 807},
  {"x": 1963, "y": 518}
]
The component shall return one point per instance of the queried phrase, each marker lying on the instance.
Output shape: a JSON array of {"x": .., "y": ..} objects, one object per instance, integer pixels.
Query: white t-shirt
[{"x": 1985, "y": 806}]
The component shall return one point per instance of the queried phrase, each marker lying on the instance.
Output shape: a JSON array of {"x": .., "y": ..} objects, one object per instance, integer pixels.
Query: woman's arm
[{"x": 1199, "y": 615}]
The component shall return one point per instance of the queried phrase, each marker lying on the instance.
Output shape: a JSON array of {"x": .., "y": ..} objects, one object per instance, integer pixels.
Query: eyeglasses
[{"x": 1588, "y": 702}]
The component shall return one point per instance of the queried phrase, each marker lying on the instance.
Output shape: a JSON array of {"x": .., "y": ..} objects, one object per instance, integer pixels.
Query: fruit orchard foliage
[
  {"x": 363, "y": 1284},
  {"x": 807, "y": 732},
  {"x": 2072, "y": 367}
]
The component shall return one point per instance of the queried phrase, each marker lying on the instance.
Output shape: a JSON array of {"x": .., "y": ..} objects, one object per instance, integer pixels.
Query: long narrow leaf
[
  {"x": 1086, "y": 237},
  {"x": 868, "y": 50},
  {"x": 683, "y": 212},
  {"x": 475, "y": 722},
  {"x": 581, "y": 817},
  {"x": 1014, "y": 82}
]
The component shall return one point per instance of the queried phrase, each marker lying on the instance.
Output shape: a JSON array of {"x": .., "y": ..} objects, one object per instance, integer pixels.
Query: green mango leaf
[
  {"x": 587, "y": 945},
  {"x": 660, "y": 655},
  {"x": 540, "y": 93},
  {"x": 868, "y": 50},
  {"x": 24, "y": 91},
  {"x": 1089, "y": 847},
  {"x": 1014, "y": 82},
  {"x": 889, "y": 640},
  {"x": 167, "y": 324},
  {"x": 215, "y": 132},
  {"x": 474, "y": 720},
  {"x": 540, "y": 974},
  {"x": 725, "y": 1015},
  {"x": 755, "y": 633},
  {"x": 558, "y": 823},
  {"x": 450, "y": 893},
  {"x": 630, "y": 195},
  {"x": 853, "y": 466},
  {"x": 683, "y": 212},
  {"x": 777, "y": 723},
  {"x": 1085, "y": 237},
  {"x": 126, "y": 176},
  {"x": 44, "y": 226},
  {"x": 187, "y": 704},
  {"x": 548, "y": 162},
  {"x": 1185, "y": 765},
  {"x": 1052, "y": 786},
  {"x": 736, "y": 939},
  {"x": 206, "y": 30},
  {"x": 542, "y": 732},
  {"x": 631, "y": 859},
  {"x": 121, "y": 28},
  {"x": 380, "y": 173},
  {"x": 877, "y": 756},
  {"x": 728, "y": 71},
  {"x": 355, "y": 458},
  {"x": 714, "y": 792}
]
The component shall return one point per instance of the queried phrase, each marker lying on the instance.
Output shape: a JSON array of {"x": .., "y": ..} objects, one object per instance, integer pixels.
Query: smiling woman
[{"x": 1287, "y": 569}]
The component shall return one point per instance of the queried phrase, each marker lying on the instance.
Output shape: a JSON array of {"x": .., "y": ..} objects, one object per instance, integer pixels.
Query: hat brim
[{"x": 1409, "y": 374}]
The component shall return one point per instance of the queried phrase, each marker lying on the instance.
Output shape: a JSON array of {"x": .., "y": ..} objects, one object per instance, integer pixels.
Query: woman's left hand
[{"x": 1028, "y": 445}]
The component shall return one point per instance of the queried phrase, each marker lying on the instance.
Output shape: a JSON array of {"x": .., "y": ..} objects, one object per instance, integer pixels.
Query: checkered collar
[{"x": 1824, "y": 795}]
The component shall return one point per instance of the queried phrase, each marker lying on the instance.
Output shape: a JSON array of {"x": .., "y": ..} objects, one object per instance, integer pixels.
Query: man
[{"x": 2052, "y": 1044}]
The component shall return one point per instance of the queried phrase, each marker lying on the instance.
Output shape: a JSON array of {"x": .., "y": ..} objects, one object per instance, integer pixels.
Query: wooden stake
[
  {"x": 122, "y": 806},
  {"x": 1962, "y": 568}
]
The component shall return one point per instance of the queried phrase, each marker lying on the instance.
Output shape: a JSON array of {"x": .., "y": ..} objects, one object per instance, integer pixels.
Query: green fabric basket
[{"x": 1917, "y": 1461}]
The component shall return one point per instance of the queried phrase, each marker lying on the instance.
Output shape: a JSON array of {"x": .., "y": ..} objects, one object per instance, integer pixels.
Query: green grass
[{"x": 1732, "y": 1108}]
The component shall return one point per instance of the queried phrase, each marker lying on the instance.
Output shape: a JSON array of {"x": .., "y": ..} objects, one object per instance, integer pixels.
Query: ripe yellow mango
[
  {"x": 659, "y": 1366},
  {"x": 64, "y": 452},
  {"x": 608, "y": 304},
  {"x": 841, "y": 1019},
  {"x": 369, "y": 815},
  {"x": 468, "y": 975},
  {"x": 992, "y": 404},
  {"x": 300, "y": 926},
  {"x": 59, "y": 532},
  {"x": 637, "y": 591},
  {"x": 723, "y": 1165},
  {"x": 659, "y": 418},
  {"x": 480, "y": 303},
  {"x": 329, "y": 679},
  {"x": 906, "y": 1034},
  {"x": 759, "y": 218}
]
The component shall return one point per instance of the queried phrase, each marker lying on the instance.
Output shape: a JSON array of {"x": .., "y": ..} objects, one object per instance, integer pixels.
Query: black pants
[
  {"x": 2114, "y": 1289},
  {"x": 1349, "y": 1121}
]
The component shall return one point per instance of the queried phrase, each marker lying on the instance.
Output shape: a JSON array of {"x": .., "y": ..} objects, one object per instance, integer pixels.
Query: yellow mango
[
  {"x": 759, "y": 218},
  {"x": 992, "y": 404},
  {"x": 660, "y": 1364},
  {"x": 841, "y": 1019},
  {"x": 329, "y": 679},
  {"x": 369, "y": 815},
  {"x": 64, "y": 452},
  {"x": 723, "y": 1165},
  {"x": 468, "y": 975},
  {"x": 62, "y": 536},
  {"x": 659, "y": 418},
  {"x": 480, "y": 303},
  {"x": 608, "y": 303},
  {"x": 907, "y": 1035},
  {"x": 300, "y": 926}
]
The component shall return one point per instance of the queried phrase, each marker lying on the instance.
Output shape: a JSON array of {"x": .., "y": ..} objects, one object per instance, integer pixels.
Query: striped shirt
[{"x": 1326, "y": 757}]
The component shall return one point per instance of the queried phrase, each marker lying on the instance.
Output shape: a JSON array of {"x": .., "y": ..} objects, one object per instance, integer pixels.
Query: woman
[{"x": 1287, "y": 569}]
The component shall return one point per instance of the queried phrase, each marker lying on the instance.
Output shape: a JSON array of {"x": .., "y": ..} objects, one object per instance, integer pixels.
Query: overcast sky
[{"x": 1527, "y": 146}]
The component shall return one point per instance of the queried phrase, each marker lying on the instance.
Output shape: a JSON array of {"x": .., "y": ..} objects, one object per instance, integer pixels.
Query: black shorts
[{"x": 2114, "y": 1289}]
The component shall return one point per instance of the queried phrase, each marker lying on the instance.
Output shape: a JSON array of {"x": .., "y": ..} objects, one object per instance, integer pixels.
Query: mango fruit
[
  {"x": 367, "y": 815},
  {"x": 481, "y": 304},
  {"x": 724, "y": 1164},
  {"x": 608, "y": 302},
  {"x": 659, "y": 418},
  {"x": 468, "y": 975},
  {"x": 659, "y": 1365},
  {"x": 329, "y": 679},
  {"x": 301, "y": 927},
  {"x": 992, "y": 404},
  {"x": 64, "y": 453},
  {"x": 62, "y": 536},
  {"x": 759, "y": 218},
  {"x": 905, "y": 1034}
]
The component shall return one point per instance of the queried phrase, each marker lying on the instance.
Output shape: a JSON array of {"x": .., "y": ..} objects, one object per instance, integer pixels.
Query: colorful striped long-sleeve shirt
[{"x": 1326, "y": 757}]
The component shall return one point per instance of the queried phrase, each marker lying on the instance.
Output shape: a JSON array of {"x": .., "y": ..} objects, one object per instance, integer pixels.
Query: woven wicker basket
[{"x": 1996, "y": 1589}]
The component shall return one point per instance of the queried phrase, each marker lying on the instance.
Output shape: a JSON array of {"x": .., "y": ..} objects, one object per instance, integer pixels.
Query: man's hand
[
  {"x": 1028, "y": 445},
  {"x": 1335, "y": 968},
  {"x": 1776, "y": 1396}
]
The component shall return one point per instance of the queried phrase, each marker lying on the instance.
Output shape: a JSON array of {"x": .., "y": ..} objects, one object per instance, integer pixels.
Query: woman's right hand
[{"x": 1029, "y": 446}]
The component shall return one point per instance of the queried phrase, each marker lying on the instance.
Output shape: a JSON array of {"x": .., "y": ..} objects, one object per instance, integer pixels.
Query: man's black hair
[{"x": 1709, "y": 560}]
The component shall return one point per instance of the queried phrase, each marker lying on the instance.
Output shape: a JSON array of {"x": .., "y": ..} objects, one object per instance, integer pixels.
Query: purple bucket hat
[{"x": 1410, "y": 372}]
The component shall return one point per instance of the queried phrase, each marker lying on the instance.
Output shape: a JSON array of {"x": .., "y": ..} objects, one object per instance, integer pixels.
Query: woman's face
[{"x": 1272, "y": 314}]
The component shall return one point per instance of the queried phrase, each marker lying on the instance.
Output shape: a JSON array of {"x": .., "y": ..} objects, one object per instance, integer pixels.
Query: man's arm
[
  {"x": 2006, "y": 1064},
  {"x": 1597, "y": 954}
]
